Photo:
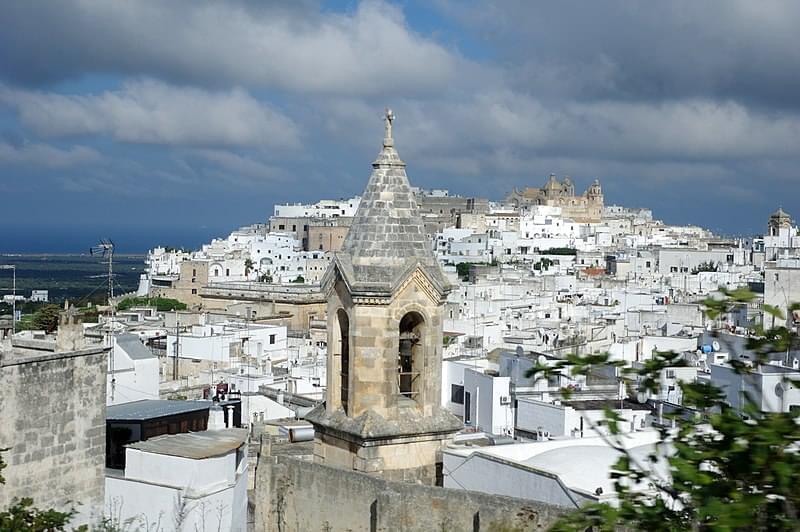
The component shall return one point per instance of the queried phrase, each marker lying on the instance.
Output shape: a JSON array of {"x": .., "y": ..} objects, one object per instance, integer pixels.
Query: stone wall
[
  {"x": 52, "y": 420},
  {"x": 324, "y": 238},
  {"x": 295, "y": 495}
]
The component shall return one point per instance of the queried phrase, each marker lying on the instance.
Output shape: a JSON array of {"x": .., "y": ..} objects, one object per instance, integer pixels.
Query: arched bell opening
[
  {"x": 342, "y": 346},
  {"x": 410, "y": 356}
]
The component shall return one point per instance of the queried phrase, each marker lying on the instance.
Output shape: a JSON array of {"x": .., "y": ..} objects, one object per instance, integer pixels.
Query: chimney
[{"x": 216, "y": 418}]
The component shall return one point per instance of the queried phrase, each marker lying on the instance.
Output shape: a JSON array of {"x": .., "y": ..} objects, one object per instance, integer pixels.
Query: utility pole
[
  {"x": 13, "y": 269},
  {"x": 106, "y": 250},
  {"x": 177, "y": 345}
]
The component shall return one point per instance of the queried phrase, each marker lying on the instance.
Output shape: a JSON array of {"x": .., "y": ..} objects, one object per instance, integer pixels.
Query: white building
[
  {"x": 259, "y": 408},
  {"x": 770, "y": 386},
  {"x": 230, "y": 344},
  {"x": 487, "y": 402},
  {"x": 183, "y": 482},
  {"x": 321, "y": 209},
  {"x": 781, "y": 289},
  {"x": 473, "y": 390},
  {"x": 132, "y": 371},
  {"x": 39, "y": 296},
  {"x": 575, "y": 419}
]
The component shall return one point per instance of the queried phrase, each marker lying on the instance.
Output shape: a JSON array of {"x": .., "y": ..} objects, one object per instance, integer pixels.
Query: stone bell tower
[{"x": 386, "y": 293}]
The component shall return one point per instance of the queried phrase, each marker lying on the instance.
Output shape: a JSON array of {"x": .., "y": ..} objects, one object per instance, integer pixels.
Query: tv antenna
[{"x": 105, "y": 250}]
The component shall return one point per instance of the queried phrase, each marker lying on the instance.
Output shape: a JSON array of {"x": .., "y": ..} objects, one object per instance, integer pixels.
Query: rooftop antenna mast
[{"x": 105, "y": 250}]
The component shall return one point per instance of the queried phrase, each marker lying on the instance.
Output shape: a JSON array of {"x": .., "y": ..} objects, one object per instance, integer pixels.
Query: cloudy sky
[{"x": 171, "y": 122}]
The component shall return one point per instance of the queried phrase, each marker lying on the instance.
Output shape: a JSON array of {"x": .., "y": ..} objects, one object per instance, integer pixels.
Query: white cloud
[
  {"x": 44, "y": 155},
  {"x": 153, "y": 112},
  {"x": 370, "y": 50}
]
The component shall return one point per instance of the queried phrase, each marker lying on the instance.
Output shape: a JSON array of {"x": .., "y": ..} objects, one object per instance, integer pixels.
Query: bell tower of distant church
[{"x": 386, "y": 293}]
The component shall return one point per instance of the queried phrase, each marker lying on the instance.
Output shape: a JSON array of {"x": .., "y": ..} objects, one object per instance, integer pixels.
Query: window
[
  {"x": 294, "y": 228},
  {"x": 227, "y": 272},
  {"x": 647, "y": 264},
  {"x": 194, "y": 291},
  {"x": 271, "y": 339},
  {"x": 670, "y": 373},
  {"x": 194, "y": 272},
  {"x": 281, "y": 227},
  {"x": 457, "y": 394}
]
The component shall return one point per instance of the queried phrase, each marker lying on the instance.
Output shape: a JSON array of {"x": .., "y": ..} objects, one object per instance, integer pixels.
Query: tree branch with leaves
[{"x": 729, "y": 469}]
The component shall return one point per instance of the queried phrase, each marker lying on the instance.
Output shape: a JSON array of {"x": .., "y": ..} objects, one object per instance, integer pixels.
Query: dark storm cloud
[{"x": 739, "y": 49}]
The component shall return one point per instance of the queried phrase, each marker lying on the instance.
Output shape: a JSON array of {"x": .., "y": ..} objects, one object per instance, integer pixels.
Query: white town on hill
[{"x": 344, "y": 363}]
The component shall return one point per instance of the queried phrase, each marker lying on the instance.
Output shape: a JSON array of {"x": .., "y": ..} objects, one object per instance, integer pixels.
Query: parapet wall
[
  {"x": 52, "y": 421},
  {"x": 294, "y": 495}
]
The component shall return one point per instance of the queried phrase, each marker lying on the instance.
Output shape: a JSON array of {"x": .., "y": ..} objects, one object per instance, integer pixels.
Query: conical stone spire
[{"x": 387, "y": 235}]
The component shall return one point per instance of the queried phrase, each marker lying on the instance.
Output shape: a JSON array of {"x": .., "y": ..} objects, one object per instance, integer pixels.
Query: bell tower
[{"x": 386, "y": 293}]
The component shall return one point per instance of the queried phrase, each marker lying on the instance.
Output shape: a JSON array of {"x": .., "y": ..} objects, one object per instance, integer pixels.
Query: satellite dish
[
  {"x": 542, "y": 360},
  {"x": 641, "y": 398},
  {"x": 779, "y": 389},
  {"x": 715, "y": 345}
]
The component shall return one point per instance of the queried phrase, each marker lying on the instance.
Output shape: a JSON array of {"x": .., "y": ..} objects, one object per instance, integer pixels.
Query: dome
[
  {"x": 780, "y": 214},
  {"x": 588, "y": 467},
  {"x": 552, "y": 183}
]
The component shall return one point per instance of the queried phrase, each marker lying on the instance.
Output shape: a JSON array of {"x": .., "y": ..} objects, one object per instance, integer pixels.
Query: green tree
[
  {"x": 299, "y": 279},
  {"x": 559, "y": 251},
  {"x": 46, "y": 318},
  {"x": 709, "y": 266},
  {"x": 162, "y": 304},
  {"x": 462, "y": 269},
  {"x": 543, "y": 264},
  {"x": 248, "y": 266},
  {"x": 729, "y": 470},
  {"x": 23, "y": 516}
]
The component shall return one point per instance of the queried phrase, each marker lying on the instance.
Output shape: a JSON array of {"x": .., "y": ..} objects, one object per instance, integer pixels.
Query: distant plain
[{"x": 77, "y": 277}]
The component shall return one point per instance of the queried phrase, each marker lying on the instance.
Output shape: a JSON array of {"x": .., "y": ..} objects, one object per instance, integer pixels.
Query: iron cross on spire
[{"x": 388, "y": 119}]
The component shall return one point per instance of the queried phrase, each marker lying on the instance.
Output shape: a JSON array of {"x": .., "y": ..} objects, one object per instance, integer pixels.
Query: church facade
[
  {"x": 386, "y": 294},
  {"x": 586, "y": 208}
]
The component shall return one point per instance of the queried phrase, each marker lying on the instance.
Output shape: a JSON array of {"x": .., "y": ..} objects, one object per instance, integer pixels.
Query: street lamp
[{"x": 13, "y": 269}]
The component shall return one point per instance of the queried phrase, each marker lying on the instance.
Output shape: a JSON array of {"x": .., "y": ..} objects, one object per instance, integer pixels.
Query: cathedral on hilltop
[
  {"x": 587, "y": 208},
  {"x": 386, "y": 294}
]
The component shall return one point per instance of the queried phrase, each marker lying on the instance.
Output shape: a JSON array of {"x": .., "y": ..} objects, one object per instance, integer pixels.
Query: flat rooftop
[
  {"x": 194, "y": 445},
  {"x": 153, "y": 408},
  {"x": 600, "y": 404}
]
